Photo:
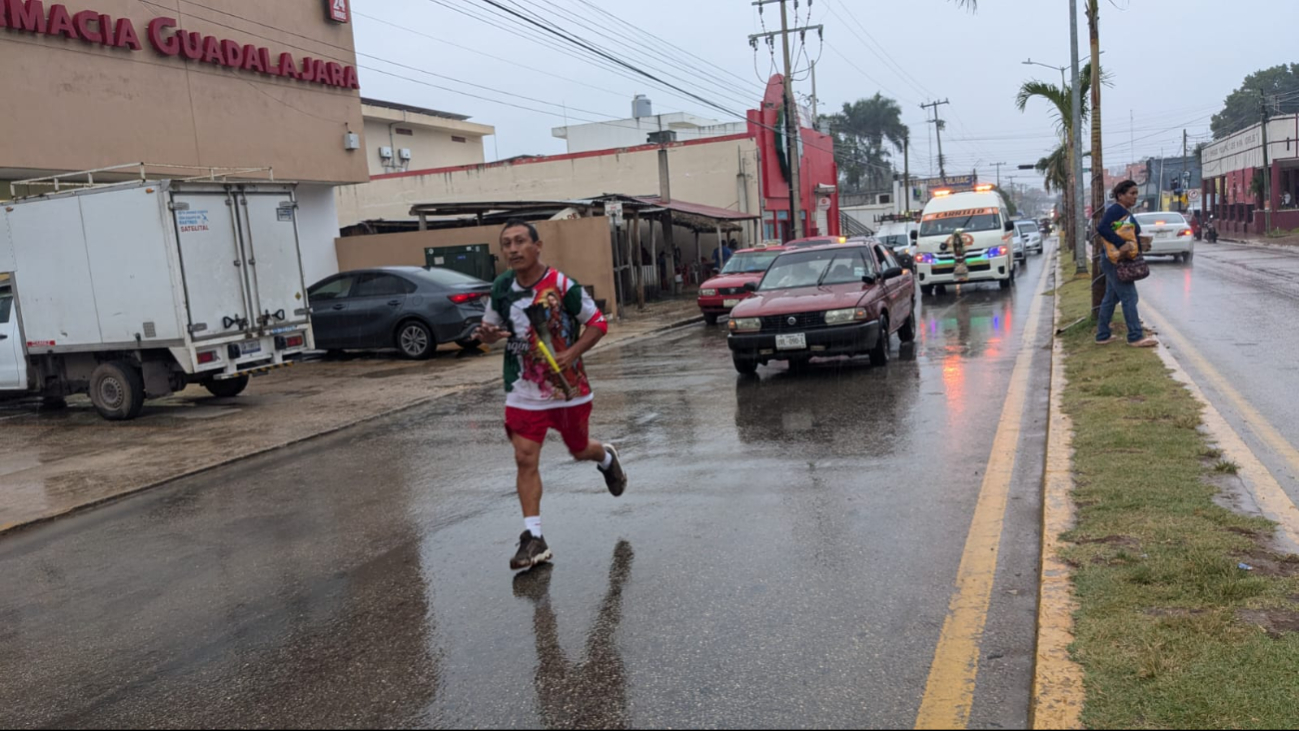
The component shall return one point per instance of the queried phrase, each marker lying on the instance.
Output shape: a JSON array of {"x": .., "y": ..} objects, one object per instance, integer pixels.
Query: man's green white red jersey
[{"x": 547, "y": 317}]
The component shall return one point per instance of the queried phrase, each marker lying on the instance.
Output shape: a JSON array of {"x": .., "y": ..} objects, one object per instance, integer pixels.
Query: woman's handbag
[{"x": 1133, "y": 270}]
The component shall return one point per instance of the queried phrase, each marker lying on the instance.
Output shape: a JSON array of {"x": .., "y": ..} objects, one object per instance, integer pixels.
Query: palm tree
[
  {"x": 860, "y": 132},
  {"x": 1061, "y": 100}
]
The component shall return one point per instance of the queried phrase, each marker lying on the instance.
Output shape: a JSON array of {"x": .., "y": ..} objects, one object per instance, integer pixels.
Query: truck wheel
[
  {"x": 415, "y": 341},
  {"x": 927, "y": 290},
  {"x": 880, "y": 353},
  {"x": 907, "y": 332},
  {"x": 746, "y": 366},
  {"x": 228, "y": 388},
  {"x": 117, "y": 390}
]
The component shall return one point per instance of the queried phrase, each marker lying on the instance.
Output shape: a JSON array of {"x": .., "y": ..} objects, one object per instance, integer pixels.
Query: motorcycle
[
  {"x": 956, "y": 244},
  {"x": 1210, "y": 231}
]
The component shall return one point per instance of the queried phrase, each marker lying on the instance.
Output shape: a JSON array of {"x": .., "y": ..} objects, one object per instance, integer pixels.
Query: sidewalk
[{"x": 56, "y": 462}]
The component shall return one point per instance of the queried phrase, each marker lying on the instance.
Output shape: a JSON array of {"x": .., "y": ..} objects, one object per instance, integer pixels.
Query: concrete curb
[
  {"x": 487, "y": 378},
  {"x": 1258, "y": 245},
  {"x": 1058, "y": 693}
]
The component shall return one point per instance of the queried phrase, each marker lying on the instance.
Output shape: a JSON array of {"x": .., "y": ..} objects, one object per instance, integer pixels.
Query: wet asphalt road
[
  {"x": 1238, "y": 307},
  {"x": 784, "y": 557}
]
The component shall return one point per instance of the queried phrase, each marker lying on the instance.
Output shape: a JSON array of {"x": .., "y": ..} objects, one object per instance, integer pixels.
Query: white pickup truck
[{"x": 132, "y": 291}]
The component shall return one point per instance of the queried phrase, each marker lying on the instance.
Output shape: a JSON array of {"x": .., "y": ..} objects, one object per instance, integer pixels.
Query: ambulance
[{"x": 986, "y": 230}]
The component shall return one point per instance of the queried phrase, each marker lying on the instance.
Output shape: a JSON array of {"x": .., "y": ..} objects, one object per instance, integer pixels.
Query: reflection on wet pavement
[{"x": 592, "y": 692}]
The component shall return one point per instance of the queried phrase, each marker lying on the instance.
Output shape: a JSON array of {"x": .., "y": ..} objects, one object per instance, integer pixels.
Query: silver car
[{"x": 1029, "y": 236}]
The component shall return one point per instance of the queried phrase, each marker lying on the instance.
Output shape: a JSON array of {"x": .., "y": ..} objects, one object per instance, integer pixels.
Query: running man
[{"x": 550, "y": 322}]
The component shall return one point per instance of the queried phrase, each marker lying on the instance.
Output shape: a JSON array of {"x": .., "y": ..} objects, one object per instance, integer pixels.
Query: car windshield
[
  {"x": 449, "y": 277},
  {"x": 970, "y": 219},
  {"x": 750, "y": 262},
  {"x": 1160, "y": 219},
  {"x": 813, "y": 268},
  {"x": 1027, "y": 228},
  {"x": 895, "y": 240}
]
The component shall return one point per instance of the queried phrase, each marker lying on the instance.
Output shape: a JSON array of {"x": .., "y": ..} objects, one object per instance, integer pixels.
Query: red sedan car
[
  {"x": 719, "y": 295},
  {"x": 845, "y": 299}
]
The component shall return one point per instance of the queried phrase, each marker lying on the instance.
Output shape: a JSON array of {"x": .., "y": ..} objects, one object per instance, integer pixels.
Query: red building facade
[{"x": 819, "y": 201}]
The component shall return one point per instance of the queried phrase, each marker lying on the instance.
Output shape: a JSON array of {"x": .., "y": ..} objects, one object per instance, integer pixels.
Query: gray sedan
[{"x": 407, "y": 308}]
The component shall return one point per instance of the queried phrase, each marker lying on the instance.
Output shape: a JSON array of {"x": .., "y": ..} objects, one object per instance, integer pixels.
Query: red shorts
[{"x": 572, "y": 423}]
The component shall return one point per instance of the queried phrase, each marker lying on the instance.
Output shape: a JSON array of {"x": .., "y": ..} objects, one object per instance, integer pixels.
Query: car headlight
[
  {"x": 745, "y": 324},
  {"x": 707, "y": 293},
  {"x": 839, "y": 317}
]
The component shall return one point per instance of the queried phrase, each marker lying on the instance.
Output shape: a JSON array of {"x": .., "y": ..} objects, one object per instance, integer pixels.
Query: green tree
[
  {"x": 864, "y": 131},
  {"x": 1061, "y": 100},
  {"x": 1241, "y": 109}
]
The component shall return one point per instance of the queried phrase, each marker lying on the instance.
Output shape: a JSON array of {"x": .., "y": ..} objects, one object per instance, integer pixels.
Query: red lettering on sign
[
  {"x": 287, "y": 68},
  {"x": 91, "y": 26},
  {"x": 28, "y": 16},
  {"x": 83, "y": 20},
  {"x": 106, "y": 27},
  {"x": 191, "y": 44},
  {"x": 212, "y": 52},
  {"x": 253, "y": 59},
  {"x": 126, "y": 37},
  {"x": 169, "y": 46},
  {"x": 234, "y": 54},
  {"x": 60, "y": 23}
]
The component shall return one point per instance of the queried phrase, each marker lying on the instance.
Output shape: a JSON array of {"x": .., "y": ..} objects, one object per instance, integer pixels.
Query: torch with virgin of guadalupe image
[
  {"x": 957, "y": 242},
  {"x": 537, "y": 317}
]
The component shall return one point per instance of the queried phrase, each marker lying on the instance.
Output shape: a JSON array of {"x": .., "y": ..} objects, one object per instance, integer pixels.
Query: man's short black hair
[{"x": 514, "y": 222}]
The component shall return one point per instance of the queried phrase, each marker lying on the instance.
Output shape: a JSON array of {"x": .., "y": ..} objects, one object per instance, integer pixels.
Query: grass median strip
[{"x": 1187, "y": 617}]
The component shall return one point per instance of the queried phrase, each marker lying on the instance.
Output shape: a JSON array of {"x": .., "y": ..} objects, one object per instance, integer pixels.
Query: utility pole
[
  {"x": 1267, "y": 170},
  {"x": 791, "y": 114},
  {"x": 938, "y": 131},
  {"x": 815, "y": 119},
  {"x": 906, "y": 172},
  {"x": 1186, "y": 177},
  {"x": 998, "y": 166},
  {"x": 1080, "y": 222}
]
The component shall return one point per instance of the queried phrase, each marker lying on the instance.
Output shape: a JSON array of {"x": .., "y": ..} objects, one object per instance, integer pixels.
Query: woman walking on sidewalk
[{"x": 1116, "y": 290}]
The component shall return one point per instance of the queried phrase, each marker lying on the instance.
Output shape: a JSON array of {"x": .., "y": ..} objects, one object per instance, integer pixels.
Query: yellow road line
[
  {"x": 949, "y": 692},
  {"x": 1271, "y": 497},
  {"x": 1057, "y": 698}
]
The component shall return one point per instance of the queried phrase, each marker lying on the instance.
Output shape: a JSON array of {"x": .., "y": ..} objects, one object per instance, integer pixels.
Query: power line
[
  {"x": 703, "y": 80},
  {"x": 569, "y": 38}
]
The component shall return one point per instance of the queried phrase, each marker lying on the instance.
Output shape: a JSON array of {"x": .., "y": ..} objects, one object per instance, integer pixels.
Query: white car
[
  {"x": 1172, "y": 235},
  {"x": 1030, "y": 234}
]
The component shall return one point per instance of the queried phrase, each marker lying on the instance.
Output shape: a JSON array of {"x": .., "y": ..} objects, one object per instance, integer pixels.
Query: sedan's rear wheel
[
  {"x": 415, "y": 341},
  {"x": 907, "y": 332},
  {"x": 1188, "y": 256},
  {"x": 879, "y": 354}
]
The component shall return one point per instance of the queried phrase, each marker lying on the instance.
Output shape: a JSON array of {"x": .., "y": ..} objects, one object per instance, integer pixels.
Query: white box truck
[{"x": 132, "y": 291}]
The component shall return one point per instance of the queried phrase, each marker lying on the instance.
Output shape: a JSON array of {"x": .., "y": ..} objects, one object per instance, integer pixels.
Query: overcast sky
[{"x": 914, "y": 51}]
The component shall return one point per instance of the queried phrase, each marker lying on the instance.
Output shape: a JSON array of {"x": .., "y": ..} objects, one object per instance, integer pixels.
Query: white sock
[
  {"x": 608, "y": 459},
  {"x": 533, "y": 525}
]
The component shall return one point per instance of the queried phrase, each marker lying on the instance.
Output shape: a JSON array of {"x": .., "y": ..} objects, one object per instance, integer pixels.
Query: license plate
[
  {"x": 250, "y": 347},
  {"x": 795, "y": 341},
  {"x": 730, "y": 303}
]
